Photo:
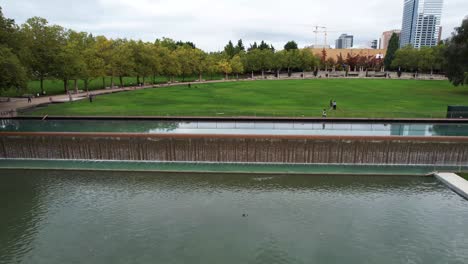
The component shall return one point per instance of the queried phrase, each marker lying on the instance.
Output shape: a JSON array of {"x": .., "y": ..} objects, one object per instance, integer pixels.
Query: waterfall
[{"x": 324, "y": 150}]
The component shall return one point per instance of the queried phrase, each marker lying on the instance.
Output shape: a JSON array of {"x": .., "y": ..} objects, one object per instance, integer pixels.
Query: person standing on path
[
  {"x": 29, "y": 99},
  {"x": 324, "y": 113},
  {"x": 334, "y": 105}
]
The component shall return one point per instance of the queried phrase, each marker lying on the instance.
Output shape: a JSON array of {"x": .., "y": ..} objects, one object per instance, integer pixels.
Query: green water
[{"x": 146, "y": 217}]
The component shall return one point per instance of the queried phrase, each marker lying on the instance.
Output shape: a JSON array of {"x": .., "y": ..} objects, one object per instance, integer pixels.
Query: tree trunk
[
  {"x": 76, "y": 86},
  {"x": 237, "y": 76},
  {"x": 144, "y": 80},
  {"x": 303, "y": 74},
  {"x": 112, "y": 82},
  {"x": 263, "y": 74},
  {"x": 154, "y": 79},
  {"x": 42, "y": 85},
  {"x": 121, "y": 81},
  {"x": 86, "y": 84},
  {"x": 65, "y": 85},
  {"x": 199, "y": 77},
  {"x": 138, "y": 80},
  {"x": 226, "y": 78},
  {"x": 103, "y": 82},
  {"x": 252, "y": 75}
]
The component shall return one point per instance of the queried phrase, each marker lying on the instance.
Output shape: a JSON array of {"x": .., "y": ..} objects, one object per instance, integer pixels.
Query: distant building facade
[
  {"x": 335, "y": 53},
  {"x": 319, "y": 46},
  {"x": 421, "y": 23},
  {"x": 374, "y": 44},
  {"x": 345, "y": 41},
  {"x": 385, "y": 38}
]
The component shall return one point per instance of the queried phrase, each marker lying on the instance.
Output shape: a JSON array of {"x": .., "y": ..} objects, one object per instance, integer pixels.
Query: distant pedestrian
[
  {"x": 334, "y": 105},
  {"x": 70, "y": 97},
  {"x": 324, "y": 113},
  {"x": 91, "y": 98},
  {"x": 189, "y": 85},
  {"x": 29, "y": 99}
]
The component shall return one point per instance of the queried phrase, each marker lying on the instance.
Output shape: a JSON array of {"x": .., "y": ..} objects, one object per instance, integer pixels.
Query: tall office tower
[
  {"x": 345, "y": 41},
  {"x": 421, "y": 23},
  {"x": 374, "y": 44}
]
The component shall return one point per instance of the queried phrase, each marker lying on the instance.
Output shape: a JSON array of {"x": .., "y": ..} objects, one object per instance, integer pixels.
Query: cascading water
[{"x": 253, "y": 149}]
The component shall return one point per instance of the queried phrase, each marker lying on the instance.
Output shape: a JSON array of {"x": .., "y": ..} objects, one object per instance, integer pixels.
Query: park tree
[
  {"x": 44, "y": 43},
  {"x": 156, "y": 63},
  {"x": 291, "y": 59},
  {"x": 12, "y": 72},
  {"x": 171, "y": 65},
  {"x": 104, "y": 49},
  {"x": 253, "y": 46},
  {"x": 212, "y": 63},
  {"x": 143, "y": 59},
  {"x": 426, "y": 59},
  {"x": 393, "y": 46},
  {"x": 69, "y": 63},
  {"x": 95, "y": 66},
  {"x": 185, "y": 56},
  {"x": 239, "y": 47},
  {"x": 167, "y": 43},
  {"x": 260, "y": 60},
  {"x": 199, "y": 58},
  {"x": 122, "y": 62},
  {"x": 225, "y": 67},
  {"x": 406, "y": 58},
  {"x": 456, "y": 55},
  {"x": 307, "y": 61},
  {"x": 237, "y": 66},
  {"x": 291, "y": 45},
  {"x": 230, "y": 50}
]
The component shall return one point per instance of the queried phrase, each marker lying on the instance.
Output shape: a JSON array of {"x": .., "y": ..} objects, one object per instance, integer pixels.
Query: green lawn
[
  {"x": 464, "y": 175},
  {"x": 355, "y": 97}
]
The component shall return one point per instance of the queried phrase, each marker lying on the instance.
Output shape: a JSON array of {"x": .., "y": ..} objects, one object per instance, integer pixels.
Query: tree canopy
[{"x": 456, "y": 55}]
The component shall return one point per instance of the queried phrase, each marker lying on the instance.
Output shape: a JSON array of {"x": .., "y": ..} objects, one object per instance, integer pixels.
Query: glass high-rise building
[{"x": 421, "y": 23}]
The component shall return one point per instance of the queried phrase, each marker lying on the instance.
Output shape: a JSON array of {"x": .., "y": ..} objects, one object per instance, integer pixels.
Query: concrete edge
[
  {"x": 456, "y": 183},
  {"x": 234, "y": 136},
  {"x": 251, "y": 118}
]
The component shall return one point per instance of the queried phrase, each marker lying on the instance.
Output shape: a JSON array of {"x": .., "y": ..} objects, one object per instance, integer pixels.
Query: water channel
[{"x": 144, "y": 217}]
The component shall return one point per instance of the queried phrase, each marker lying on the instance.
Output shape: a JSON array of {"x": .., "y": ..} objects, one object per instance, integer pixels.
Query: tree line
[
  {"x": 37, "y": 50},
  {"x": 450, "y": 56}
]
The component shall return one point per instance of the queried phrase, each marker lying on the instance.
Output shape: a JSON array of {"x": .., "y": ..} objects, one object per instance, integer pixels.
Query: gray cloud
[{"x": 211, "y": 23}]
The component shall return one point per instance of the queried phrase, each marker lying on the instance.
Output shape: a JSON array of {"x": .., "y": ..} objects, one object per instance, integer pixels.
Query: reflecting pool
[
  {"x": 239, "y": 127},
  {"x": 145, "y": 217}
]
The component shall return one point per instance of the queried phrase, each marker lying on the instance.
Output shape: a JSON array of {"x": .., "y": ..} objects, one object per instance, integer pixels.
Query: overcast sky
[{"x": 210, "y": 24}]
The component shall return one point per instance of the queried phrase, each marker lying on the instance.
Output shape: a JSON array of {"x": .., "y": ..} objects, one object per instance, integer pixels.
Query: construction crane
[{"x": 322, "y": 30}]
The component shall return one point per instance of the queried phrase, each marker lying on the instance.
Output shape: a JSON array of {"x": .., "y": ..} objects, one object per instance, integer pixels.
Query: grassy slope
[{"x": 355, "y": 97}]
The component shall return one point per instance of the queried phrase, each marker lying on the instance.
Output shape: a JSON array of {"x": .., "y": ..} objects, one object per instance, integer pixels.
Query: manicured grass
[
  {"x": 355, "y": 97},
  {"x": 54, "y": 87},
  {"x": 464, "y": 175}
]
